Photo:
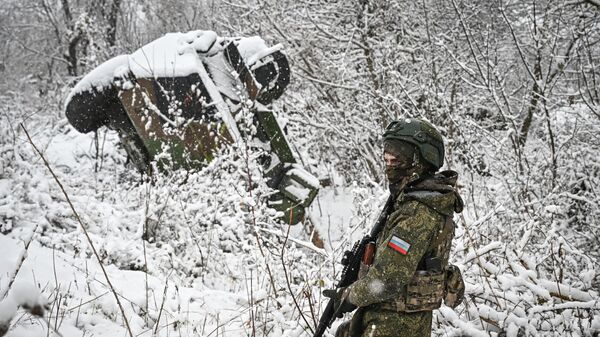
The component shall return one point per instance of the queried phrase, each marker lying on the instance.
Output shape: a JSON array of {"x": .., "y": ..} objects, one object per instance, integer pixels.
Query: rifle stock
[{"x": 351, "y": 261}]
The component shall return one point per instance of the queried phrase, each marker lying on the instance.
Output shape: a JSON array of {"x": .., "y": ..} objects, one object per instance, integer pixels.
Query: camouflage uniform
[{"x": 420, "y": 213}]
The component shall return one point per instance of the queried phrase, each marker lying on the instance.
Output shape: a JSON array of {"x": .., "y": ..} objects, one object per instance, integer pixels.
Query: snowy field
[
  {"x": 199, "y": 273},
  {"x": 199, "y": 255},
  {"x": 513, "y": 86}
]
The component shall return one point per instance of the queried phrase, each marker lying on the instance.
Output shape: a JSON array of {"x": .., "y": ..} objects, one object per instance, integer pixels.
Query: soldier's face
[
  {"x": 390, "y": 159},
  {"x": 396, "y": 160},
  {"x": 396, "y": 166}
]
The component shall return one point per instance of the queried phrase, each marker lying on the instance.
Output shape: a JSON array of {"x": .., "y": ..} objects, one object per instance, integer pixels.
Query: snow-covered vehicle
[{"x": 177, "y": 100}]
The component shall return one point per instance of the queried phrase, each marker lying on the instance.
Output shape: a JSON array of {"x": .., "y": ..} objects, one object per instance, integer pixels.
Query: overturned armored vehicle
[{"x": 181, "y": 95}]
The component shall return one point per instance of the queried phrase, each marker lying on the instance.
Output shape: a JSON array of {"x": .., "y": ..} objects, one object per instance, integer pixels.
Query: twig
[
  {"x": 255, "y": 232},
  {"x": 81, "y": 303},
  {"x": 57, "y": 288},
  {"x": 252, "y": 318},
  {"x": 58, "y": 302},
  {"x": 89, "y": 239},
  {"x": 162, "y": 304},
  {"x": 144, "y": 247},
  {"x": 50, "y": 327},
  {"x": 472, "y": 242},
  {"x": 517, "y": 44},
  {"x": 304, "y": 244},
  {"x": 287, "y": 278},
  {"x": 469, "y": 42},
  {"x": 311, "y": 305},
  {"x": 23, "y": 257},
  {"x": 593, "y": 2},
  {"x": 335, "y": 85}
]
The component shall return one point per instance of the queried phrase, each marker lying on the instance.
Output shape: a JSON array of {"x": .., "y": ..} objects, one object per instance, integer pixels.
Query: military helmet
[{"x": 422, "y": 134}]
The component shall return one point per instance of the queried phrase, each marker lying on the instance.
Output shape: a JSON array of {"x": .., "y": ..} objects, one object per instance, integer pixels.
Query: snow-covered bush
[
  {"x": 188, "y": 251},
  {"x": 514, "y": 91}
]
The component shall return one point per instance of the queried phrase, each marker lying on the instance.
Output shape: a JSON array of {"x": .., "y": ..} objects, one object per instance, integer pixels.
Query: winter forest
[{"x": 513, "y": 86}]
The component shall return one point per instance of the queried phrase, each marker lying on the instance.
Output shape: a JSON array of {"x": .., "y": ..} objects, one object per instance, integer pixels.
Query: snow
[
  {"x": 299, "y": 178},
  {"x": 8, "y": 310},
  {"x": 483, "y": 250},
  {"x": 566, "y": 291},
  {"x": 5, "y": 186},
  {"x": 217, "y": 99},
  {"x": 128, "y": 283},
  {"x": 202, "y": 253},
  {"x": 376, "y": 286},
  {"x": 595, "y": 328},
  {"x": 259, "y": 54},
  {"x": 299, "y": 192},
  {"x": 10, "y": 254},
  {"x": 204, "y": 256},
  {"x": 99, "y": 78},
  {"x": 467, "y": 328},
  {"x": 21, "y": 293},
  {"x": 26, "y": 294},
  {"x": 251, "y": 47},
  {"x": 333, "y": 214},
  {"x": 213, "y": 250},
  {"x": 173, "y": 55},
  {"x": 225, "y": 81},
  {"x": 303, "y": 175}
]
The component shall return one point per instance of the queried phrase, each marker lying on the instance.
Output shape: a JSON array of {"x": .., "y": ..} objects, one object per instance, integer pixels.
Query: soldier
[{"x": 410, "y": 274}]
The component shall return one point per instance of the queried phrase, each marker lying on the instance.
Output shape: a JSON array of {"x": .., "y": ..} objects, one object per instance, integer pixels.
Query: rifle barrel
[{"x": 326, "y": 319}]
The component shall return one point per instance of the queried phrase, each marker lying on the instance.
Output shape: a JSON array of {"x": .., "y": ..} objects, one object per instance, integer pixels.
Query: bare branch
[
  {"x": 593, "y": 2},
  {"x": 89, "y": 239}
]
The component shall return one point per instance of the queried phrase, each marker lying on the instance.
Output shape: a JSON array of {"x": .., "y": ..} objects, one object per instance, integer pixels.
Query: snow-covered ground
[
  {"x": 198, "y": 255},
  {"x": 200, "y": 272}
]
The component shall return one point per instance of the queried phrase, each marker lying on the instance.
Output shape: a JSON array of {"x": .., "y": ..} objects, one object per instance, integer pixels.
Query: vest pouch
[
  {"x": 424, "y": 293},
  {"x": 455, "y": 287}
]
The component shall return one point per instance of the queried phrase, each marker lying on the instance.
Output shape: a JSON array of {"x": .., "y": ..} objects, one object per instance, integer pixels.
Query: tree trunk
[
  {"x": 112, "y": 19},
  {"x": 536, "y": 95}
]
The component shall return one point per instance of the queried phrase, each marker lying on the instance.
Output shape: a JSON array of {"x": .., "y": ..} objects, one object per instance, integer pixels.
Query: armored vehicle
[{"x": 177, "y": 100}]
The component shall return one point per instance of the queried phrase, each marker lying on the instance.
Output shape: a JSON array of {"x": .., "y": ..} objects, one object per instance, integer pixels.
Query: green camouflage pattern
[
  {"x": 189, "y": 143},
  {"x": 391, "y": 272},
  {"x": 424, "y": 292},
  {"x": 455, "y": 287},
  {"x": 422, "y": 134},
  {"x": 387, "y": 323},
  {"x": 182, "y": 114},
  {"x": 395, "y": 280},
  {"x": 192, "y": 142}
]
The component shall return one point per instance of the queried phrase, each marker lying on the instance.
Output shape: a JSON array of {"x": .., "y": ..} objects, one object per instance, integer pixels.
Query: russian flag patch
[{"x": 399, "y": 245}]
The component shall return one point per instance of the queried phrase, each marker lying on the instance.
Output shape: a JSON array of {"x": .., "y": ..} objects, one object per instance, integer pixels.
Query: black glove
[{"x": 340, "y": 300}]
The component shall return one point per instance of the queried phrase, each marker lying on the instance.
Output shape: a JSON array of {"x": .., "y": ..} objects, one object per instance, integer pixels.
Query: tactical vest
[{"x": 435, "y": 280}]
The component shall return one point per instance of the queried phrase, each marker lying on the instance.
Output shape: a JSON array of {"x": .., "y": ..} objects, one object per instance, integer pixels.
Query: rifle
[{"x": 362, "y": 253}]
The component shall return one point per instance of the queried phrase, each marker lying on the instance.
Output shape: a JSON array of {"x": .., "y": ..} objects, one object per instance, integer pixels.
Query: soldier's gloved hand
[{"x": 340, "y": 300}]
